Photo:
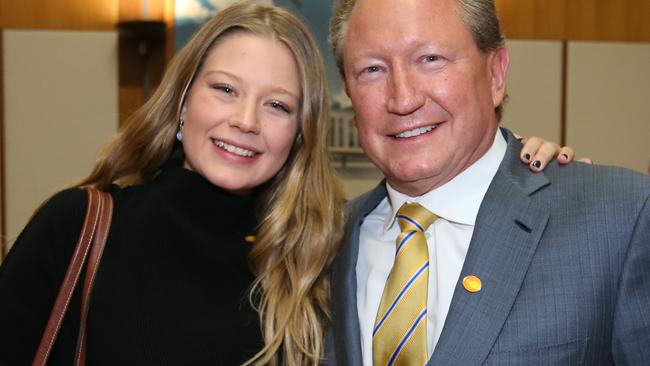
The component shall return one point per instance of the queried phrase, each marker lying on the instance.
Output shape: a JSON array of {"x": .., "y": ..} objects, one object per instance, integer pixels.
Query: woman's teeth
[
  {"x": 415, "y": 132},
  {"x": 234, "y": 149}
]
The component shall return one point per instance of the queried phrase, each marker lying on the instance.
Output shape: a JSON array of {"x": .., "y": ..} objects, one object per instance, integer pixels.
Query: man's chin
[{"x": 415, "y": 185}]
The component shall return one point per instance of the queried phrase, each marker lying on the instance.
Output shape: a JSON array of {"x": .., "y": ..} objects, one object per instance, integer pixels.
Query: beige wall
[
  {"x": 60, "y": 92},
  {"x": 608, "y": 102},
  {"x": 534, "y": 87}
]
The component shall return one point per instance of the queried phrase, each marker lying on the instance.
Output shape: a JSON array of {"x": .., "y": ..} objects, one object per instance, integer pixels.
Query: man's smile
[{"x": 416, "y": 131}]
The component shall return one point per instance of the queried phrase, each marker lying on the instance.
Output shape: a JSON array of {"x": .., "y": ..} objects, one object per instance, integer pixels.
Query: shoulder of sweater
[
  {"x": 48, "y": 239},
  {"x": 65, "y": 201},
  {"x": 64, "y": 211}
]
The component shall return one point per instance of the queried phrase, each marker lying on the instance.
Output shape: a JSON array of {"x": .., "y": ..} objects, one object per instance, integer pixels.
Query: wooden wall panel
[
  {"x": 59, "y": 14},
  {"x": 609, "y": 20},
  {"x": 133, "y": 10},
  {"x": 132, "y": 65},
  {"x": 606, "y": 20},
  {"x": 170, "y": 19},
  {"x": 639, "y": 22},
  {"x": 595, "y": 20},
  {"x": 532, "y": 19},
  {"x": 3, "y": 247},
  {"x": 130, "y": 99}
]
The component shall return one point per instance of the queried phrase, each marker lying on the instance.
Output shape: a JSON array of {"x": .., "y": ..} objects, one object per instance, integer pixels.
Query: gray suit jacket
[{"x": 564, "y": 257}]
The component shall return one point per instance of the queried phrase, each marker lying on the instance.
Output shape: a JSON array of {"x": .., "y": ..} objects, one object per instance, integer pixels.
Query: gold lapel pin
[
  {"x": 249, "y": 239},
  {"x": 472, "y": 283}
]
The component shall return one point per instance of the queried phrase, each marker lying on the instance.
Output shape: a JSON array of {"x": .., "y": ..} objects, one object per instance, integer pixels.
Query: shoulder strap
[
  {"x": 99, "y": 242},
  {"x": 98, "y": 215}
]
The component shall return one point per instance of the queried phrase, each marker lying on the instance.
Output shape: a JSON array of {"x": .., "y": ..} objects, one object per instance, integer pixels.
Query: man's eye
[
  {"x": 371, "y": 69},
  {"x": 431, "y": 58}
]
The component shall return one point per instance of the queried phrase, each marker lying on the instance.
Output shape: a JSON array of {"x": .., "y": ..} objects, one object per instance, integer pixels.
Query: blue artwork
[{"x": 191, "y": 14}]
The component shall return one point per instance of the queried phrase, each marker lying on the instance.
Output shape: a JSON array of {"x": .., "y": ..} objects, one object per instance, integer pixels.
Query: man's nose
[
  {"x": 404, "y": 97},
  {"x": 245, "y": 117}
]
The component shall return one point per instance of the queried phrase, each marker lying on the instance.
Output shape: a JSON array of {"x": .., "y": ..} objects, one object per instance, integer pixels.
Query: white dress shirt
[{"x": 456, "y": 203}]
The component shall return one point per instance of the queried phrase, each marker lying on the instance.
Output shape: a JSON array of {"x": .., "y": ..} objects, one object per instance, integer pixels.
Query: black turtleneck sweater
[{"x": 171, "y": 289}]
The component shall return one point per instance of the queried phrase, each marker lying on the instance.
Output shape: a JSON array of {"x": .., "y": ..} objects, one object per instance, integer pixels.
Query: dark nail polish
[
  {"x": 537, "y": 164},
  {"x": 566, "y": 157},
  {"x": 527, "y": 156}
]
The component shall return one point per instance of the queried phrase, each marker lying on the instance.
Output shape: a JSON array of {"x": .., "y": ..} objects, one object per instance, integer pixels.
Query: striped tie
[{"x": 400, "y": 334}]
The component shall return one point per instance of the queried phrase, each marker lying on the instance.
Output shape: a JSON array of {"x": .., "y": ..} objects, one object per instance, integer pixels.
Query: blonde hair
[
  {"x": 479, "y": 16},
  {"x": 300, "y": 226}
]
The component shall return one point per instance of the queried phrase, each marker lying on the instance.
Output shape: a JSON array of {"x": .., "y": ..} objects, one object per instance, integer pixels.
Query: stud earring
[{"x": 179, "y": 134}]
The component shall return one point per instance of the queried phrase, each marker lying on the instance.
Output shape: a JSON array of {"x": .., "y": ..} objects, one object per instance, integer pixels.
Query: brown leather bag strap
[
  {"x": 99, "y": 242},
  {"x": 95, "y": 214}
]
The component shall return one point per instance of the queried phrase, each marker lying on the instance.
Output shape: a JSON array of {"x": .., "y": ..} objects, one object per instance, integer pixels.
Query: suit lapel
[
  {"x": 508, "y": 228},
  {"x": 345, "y": 326}
]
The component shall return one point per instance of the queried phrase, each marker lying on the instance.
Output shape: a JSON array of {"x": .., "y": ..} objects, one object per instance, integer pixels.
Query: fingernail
[
  {"x": 566, "y": 157},
  {"x": 537, "y": 164},
  {"x": 527, "y": 156}
]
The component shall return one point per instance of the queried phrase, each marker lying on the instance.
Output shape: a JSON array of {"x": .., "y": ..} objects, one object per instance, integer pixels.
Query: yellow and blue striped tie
[{"x": 400, "y": 333}]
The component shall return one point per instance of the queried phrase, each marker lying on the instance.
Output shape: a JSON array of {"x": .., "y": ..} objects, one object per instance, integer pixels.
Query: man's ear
[
  {"x": 345, "y": 86},
  {"x": 347, "y": 92},
  {"x": 499, "y": 60}
]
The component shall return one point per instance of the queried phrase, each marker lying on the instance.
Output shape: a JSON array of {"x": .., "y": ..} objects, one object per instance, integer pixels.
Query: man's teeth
[
  {"x": 415, "y": 132},
  {"x": 234, "y": 149}
]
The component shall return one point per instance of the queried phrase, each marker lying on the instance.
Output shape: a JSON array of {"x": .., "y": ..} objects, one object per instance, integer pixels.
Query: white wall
[{"x": 61, "y": 93}]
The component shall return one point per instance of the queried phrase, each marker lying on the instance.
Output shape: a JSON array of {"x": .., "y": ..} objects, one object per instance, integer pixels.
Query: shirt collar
[{"x": 459, "y": 199}]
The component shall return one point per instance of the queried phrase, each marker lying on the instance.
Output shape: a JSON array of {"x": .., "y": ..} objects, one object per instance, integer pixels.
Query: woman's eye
[
  {"x": 224, "y": 88},
  {"x": 280, "y": 106}
]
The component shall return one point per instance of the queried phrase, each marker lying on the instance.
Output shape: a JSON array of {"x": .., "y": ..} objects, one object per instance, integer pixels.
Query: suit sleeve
[
  {"x": 631, "y": 333},
  {"x": 330, "y": 354},
  {"x": 32, "y": 273}
]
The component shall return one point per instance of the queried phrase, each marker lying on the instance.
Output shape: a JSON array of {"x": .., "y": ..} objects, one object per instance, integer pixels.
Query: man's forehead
[
  {"x": 418, "y": 22},
  {"x": 369, "y": 14}
]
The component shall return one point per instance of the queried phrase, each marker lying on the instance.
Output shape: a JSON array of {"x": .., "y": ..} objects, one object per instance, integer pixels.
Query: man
[{"x": 518, "y": 268}]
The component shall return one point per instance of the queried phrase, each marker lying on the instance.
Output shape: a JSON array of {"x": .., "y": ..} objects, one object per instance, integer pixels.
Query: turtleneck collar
[{"x": 197, "y": 199}]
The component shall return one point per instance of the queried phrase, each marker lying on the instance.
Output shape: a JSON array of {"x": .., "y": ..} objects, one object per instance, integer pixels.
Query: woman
[{"x": 231, "y": 146}]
